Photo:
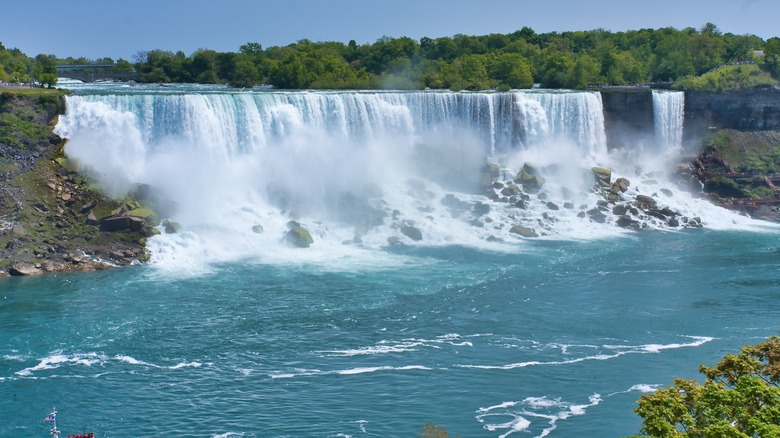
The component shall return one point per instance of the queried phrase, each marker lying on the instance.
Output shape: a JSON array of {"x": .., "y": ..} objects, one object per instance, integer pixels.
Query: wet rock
[
  {"x": 603, "y": 176},
  {"x": 299, "y": 237},
  {"x": 626, "y": 221},
  {"x": 695, "y": 222},
  {"x": 24, "y": 270},
  {"x": 481, "y": 209},
  {"x": 394, "y": 241},
  {"x": 455, "y": 204},
  {"x": 257, "y": 229},
  {"x": 510, "y": 190},
  {"x": 171, "y": 227},
  {"x": 620, "y": 209},
  {"x": 523, "y": 231},
  {"x": 673, "y": 222},
  {"x": 596, "y": 215},
  {"x": 553, "y": 206},
  {"x": 621, "y": 184},
  {"x": 645, "y": 201},
  {"x": 529, "y": 178},
  {"x": 411, "y": 232}
]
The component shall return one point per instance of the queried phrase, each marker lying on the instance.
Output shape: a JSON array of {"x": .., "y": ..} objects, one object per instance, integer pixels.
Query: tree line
[{"x": 500, "y": 61}]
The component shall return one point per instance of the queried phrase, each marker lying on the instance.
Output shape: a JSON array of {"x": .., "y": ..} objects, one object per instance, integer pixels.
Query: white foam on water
[
  {"x": 523, "y": 414},
  {"x": 186, "y": 365},
  {"x": 611, "y": 352},
  {"x": 403, "y": 346},
  {"x": 644, "y": 388},
  {"x": 347, "y": 372},
  {"x": 58, "y": 359},
  {"x": 133, "y": 361},
  {"x": 363, "y": 370}
]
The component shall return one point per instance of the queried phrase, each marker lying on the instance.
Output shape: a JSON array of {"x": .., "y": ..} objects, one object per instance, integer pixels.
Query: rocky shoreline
[
  {"x": 740, "y": 170},
  {"x": 51, "y": 218}
]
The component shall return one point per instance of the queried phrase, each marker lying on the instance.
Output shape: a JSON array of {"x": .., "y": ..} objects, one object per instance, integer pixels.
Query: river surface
[{"x": 231, "y": 333}]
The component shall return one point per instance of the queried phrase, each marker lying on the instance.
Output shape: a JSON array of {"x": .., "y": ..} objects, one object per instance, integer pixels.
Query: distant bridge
[{"x": 95, "y": 72}]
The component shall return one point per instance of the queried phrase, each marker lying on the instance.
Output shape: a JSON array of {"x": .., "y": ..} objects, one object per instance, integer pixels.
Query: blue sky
[{"x": 119, "y": 29}]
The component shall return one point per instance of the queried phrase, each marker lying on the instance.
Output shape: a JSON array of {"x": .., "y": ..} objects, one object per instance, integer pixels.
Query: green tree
[
  {"x": 739, "y": 398},
  {"x": 245, "y": 73},
  {"x": 772, "y": 57},
  {"x": 555, "y": 73},
  {"x": 585, "y": 72},
  {"x": 510, "y": 69},
  {"x": 46, "y": 70},
  {"x": 123, "y": 65}
]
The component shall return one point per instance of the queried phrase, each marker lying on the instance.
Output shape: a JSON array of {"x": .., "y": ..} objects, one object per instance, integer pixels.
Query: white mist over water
[{"x": 363, "y": 165}]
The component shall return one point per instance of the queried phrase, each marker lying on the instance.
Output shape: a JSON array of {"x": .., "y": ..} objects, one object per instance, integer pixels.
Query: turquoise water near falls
[{"x": 562, "y": 337}]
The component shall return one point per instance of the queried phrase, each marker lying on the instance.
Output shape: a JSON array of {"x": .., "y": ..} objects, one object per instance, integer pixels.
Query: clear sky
[{"x": 119, "y": 29}]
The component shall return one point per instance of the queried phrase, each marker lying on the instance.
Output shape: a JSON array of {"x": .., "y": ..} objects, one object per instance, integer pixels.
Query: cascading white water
[
  {"x": 668, "y": 113},
  {"x": 346, "y": 164}
]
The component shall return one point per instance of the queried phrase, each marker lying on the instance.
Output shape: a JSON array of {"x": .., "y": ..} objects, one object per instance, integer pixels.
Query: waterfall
[
  {"x": 668, "y": 113},
  {"x": 353, "y": 166}
]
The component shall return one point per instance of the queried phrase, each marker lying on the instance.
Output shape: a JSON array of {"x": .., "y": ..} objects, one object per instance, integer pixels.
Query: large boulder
[
  {"x": 620, "y": 185},
  {"x": 24, "y": 270},
  {"x": 510, "y": 190},
  {"x": 171, "y": 227},
  {"x": 523, "y": 231},
  {"x": 112, "y": 224},
  {"x": 603, "y": 176},
  {"x": 596, "y": 215},
  {"x": 488, "y": 174},
  {"x": 529, "y": 178},
  {"x": 625, "y": 221},
  {"x": 645, "y": 201},
  {"x": 299, "y": 237},
  {"x": 411, "y": 232}
]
